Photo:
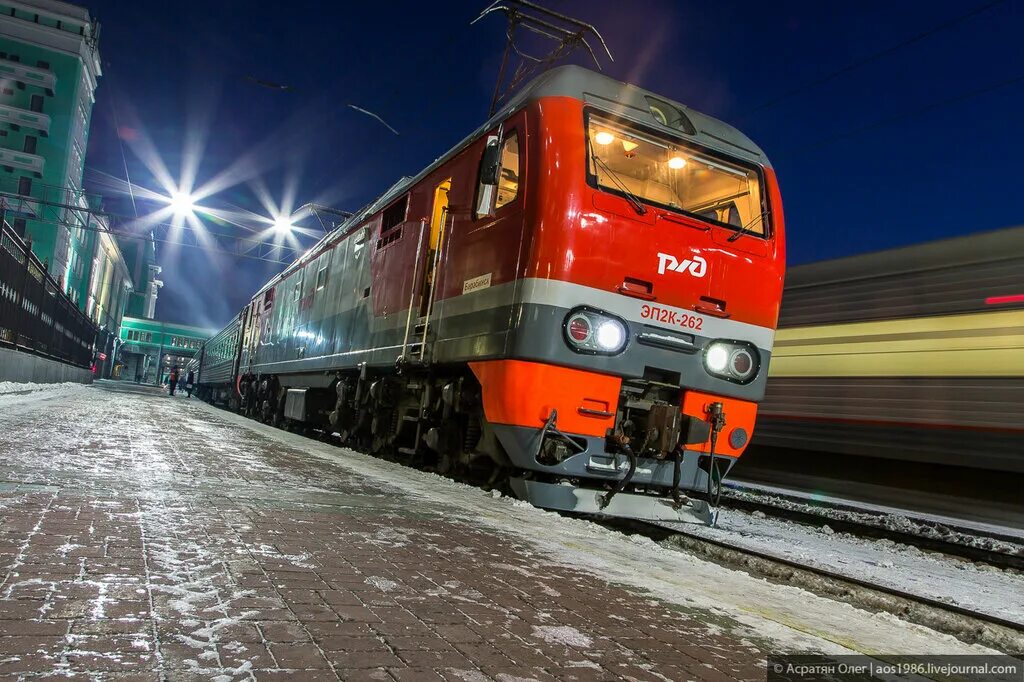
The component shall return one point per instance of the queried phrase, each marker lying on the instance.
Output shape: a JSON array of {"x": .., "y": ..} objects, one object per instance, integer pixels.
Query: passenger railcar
[
  {"x": 216, "y": 366},
  {"x": 914, "y": 354},
  {"x": 579, "y": 299}
]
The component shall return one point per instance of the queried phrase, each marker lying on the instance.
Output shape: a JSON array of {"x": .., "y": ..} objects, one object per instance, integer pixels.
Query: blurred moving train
[
  {"x": 914, "y": 354},
  {"x": 577, "y": 301}
]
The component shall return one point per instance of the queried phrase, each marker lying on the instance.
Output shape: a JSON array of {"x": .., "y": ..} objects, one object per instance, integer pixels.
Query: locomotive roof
[{"x": 595, "y": 89}]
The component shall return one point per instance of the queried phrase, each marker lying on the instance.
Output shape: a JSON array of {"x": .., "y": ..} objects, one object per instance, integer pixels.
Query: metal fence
[{"x": 35, "y": 315}]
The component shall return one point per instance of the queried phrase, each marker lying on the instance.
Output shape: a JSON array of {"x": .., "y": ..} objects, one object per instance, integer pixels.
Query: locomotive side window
[
  {"x": 624, "y": 160},
  {"x": 508, "y": 180},
  {"x": 321, "y": 274},
  {"x": 394, "y": 215}
]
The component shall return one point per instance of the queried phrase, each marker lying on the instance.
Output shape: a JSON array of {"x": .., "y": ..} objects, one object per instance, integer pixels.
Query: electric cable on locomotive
[{"x": 716, "y": 417}]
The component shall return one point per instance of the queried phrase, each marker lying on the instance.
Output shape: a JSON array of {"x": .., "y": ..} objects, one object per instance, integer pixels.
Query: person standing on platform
[
  {"x": 172, "y": 379},
  {"x": 190, "y": 382}
]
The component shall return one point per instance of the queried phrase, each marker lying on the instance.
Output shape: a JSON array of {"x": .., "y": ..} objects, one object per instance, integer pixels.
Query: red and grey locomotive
[{"x": 578, "y": 301}]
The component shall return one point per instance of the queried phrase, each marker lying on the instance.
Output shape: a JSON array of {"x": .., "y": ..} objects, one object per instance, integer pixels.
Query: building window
[
  {"x": 30, "y": 144},
  {"x": 321, "y": 277},
  {"x": 44, "y": 65},
  {"x": 25, "y": 186},
  {"x": 8, "y": 91},
  {"x": 36, "y": 104},
  {"x": 14, "y": 57}
]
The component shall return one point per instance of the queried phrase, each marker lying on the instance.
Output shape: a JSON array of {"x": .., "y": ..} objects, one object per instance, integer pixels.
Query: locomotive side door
[{"x": 438, "y": 219}]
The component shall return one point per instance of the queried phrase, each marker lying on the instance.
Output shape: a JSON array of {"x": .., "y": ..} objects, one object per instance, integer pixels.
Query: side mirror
[
  {"x": 490, "y": 166},
  {"x": 490, "y": 171}
]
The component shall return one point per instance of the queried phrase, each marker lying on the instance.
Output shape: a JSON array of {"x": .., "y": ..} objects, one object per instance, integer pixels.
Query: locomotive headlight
[
  {"x": 592, "y": 331},
  {"x": 732, "y": 360},
  {"x": 611, "y": 335},
  {"x": 716, "y": 359}
]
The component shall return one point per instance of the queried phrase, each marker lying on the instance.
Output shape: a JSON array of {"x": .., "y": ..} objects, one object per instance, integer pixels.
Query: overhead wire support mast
[
  {"x": 569, "y": 32},
  {"x": 319, "y": 211},
  {"x": 52, "y": 212}
]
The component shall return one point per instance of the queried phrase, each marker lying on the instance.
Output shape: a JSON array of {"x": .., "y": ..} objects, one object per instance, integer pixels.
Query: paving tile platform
[{"x": 144, "y": 537}]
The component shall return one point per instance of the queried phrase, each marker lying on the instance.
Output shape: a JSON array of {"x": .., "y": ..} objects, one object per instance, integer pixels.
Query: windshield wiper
[
  {"x": 632, "y": 198},
  {"x": 745, "y": 229}
]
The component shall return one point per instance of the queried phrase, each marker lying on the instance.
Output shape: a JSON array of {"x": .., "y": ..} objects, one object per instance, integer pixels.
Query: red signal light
[{"x": 579, "y": 328}]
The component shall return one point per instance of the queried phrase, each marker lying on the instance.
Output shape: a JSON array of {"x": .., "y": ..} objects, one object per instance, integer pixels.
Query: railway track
[
  {"x": 1000, "y": 550},
  {"x": 962, "y": 542},
  {"x": 966, "y": 624}
]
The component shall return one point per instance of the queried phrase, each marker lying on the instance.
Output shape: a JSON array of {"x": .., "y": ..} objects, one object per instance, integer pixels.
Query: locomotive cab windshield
[{"x": 647, "y": 168}]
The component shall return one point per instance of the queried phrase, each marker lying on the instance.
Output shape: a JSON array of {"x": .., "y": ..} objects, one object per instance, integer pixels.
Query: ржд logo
[{"x": 696, "y": 265}]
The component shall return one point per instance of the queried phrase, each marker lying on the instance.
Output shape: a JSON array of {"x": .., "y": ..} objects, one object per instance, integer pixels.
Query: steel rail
[
  {"x": 878, "y": 530},
  {"x": 667, "y": 531}
]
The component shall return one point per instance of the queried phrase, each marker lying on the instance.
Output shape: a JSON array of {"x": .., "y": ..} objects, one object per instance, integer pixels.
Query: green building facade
[
  {"x": 49, "y": 66},
  {"x": 150, "y": 349}
]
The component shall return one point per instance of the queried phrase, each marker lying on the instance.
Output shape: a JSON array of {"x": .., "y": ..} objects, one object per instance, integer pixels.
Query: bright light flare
[
  {"x": 604, "y": 137},
  {"x": 676, "y": 162},
  {"x": 182, "y": 203},
  {"x": 283, "y": 224}
]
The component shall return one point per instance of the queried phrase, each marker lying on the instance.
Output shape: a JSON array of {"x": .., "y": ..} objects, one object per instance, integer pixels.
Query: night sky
[{"x": 879, "y": 156}]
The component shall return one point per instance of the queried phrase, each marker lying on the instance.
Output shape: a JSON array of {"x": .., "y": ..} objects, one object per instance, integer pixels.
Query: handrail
[
  {"x": 441, "y": 242},
  {"x": 35, "y": 313},
  {"x": 412, "y": 288}
]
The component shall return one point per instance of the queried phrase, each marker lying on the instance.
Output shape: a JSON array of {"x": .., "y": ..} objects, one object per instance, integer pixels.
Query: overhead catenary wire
[
  {"x": 937, "y": 104},
  {"x": 856, "y": 64},
  {"x": 124, "y": 158}
]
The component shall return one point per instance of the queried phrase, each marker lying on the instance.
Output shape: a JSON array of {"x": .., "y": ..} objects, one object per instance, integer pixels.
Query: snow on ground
[
  {"x": 883, "y": 562},
  {"x": 17, "y": 387},
  {"x": 792, "y": 618},
  {"x": 18, "y": 397}
]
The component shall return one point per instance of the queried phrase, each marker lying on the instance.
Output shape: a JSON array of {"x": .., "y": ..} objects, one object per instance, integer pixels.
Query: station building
[
  {"x": 140, "y": 254},
  {"x": 49, "y": 67},
  {"x": 150, "y": 348}
]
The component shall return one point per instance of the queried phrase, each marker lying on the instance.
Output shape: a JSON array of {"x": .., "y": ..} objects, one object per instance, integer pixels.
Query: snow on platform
[{"x": 144, "y": 533}]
